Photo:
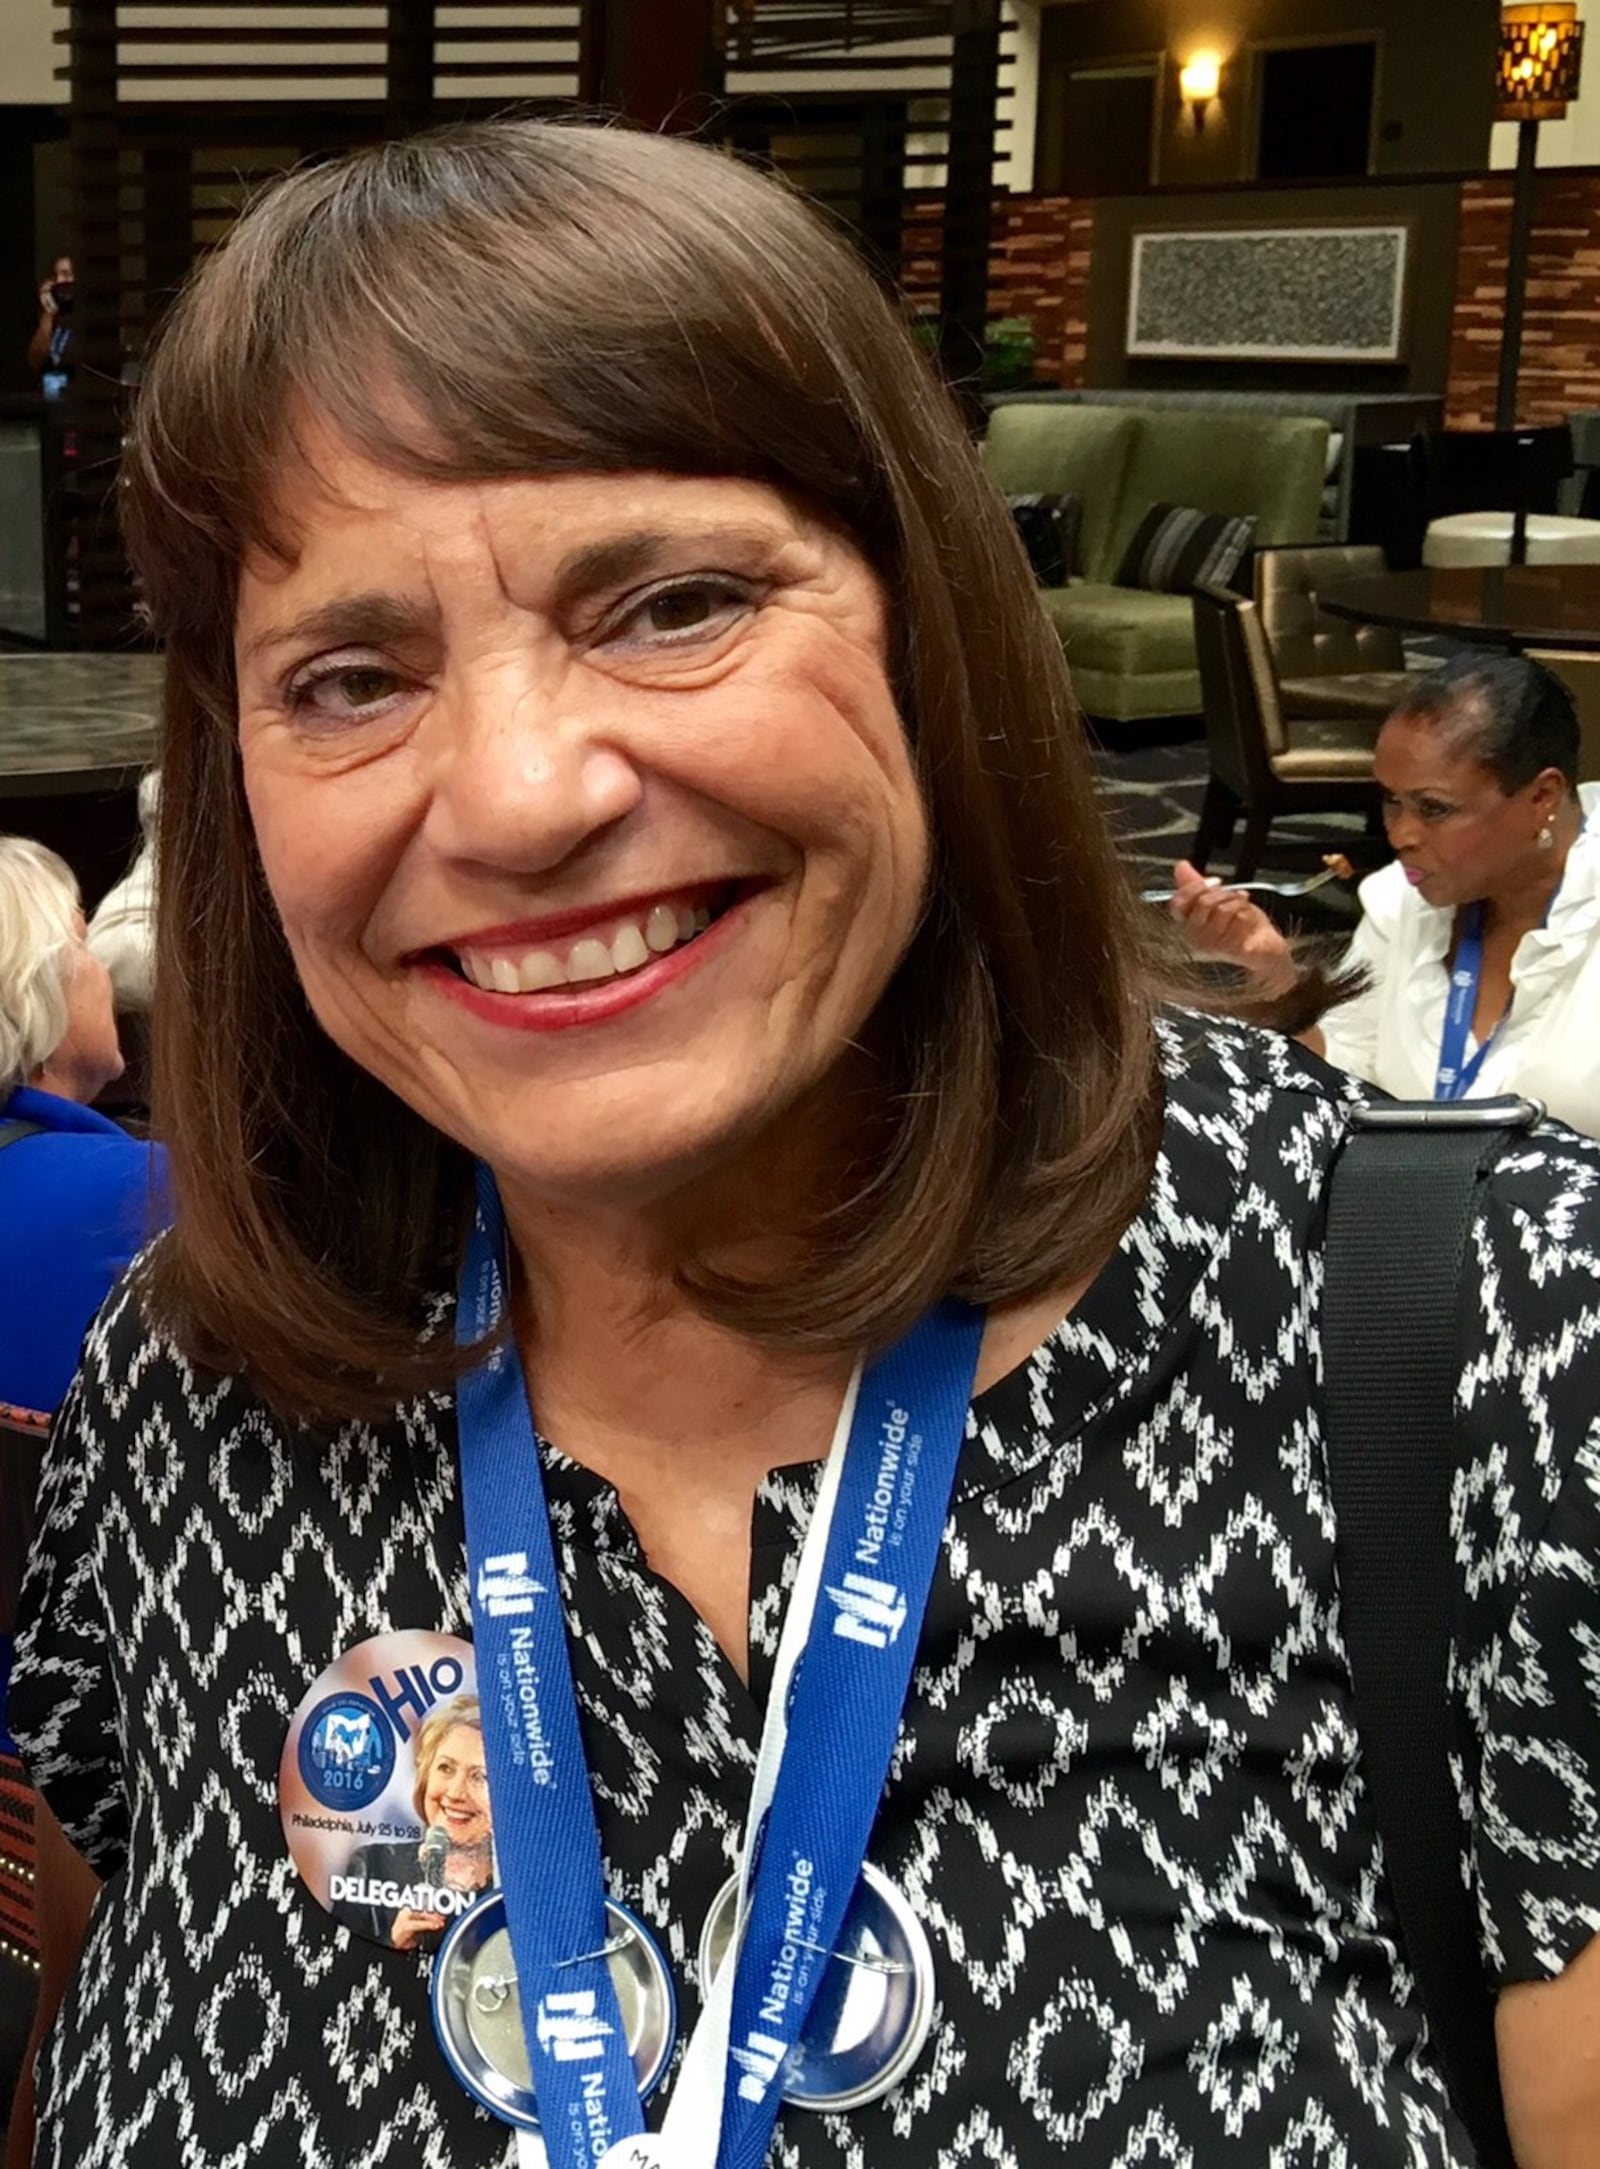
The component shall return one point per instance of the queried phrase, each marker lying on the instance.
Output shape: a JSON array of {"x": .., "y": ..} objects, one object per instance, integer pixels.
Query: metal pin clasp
[
  {"x": 607, "y": 1950},
  {"x": 491, "y": 1991},
  {"x": 869, "y": 1961}
]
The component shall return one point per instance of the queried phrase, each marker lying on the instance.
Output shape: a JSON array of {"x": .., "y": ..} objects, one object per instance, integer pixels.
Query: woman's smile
[
  {"x": 610, "y": 941},
  {"x": 614, "y": 959}
]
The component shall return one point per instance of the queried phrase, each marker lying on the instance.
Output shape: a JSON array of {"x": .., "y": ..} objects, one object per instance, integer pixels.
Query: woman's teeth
[{"x": 634, "y": 943}]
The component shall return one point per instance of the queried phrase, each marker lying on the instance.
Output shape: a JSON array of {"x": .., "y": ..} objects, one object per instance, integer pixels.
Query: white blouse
[{"x": 1548, "y": 1045}]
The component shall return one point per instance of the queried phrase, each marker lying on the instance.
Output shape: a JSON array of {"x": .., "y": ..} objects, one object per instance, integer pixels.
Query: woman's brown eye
[
  {"x": 678, "y": 609},
  {"x": 361, "y": 688}
]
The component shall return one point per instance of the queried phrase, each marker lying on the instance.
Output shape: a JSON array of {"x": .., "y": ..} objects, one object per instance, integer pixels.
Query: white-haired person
[
  {"x": 78, "y": 1195},
  {"x": 122, "y": 931}
]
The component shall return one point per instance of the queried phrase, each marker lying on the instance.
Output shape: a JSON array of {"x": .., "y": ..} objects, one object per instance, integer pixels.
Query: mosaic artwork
[{"x": 1285, "y": 293}]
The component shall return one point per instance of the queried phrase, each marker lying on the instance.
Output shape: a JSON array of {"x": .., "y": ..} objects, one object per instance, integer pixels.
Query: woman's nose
[{"x": 525, "y": 769}]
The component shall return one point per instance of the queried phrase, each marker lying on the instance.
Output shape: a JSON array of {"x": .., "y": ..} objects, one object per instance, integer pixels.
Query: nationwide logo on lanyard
[
  {"x": 570, "y": 2027},
  {"x": 505, "y": 1586},
  {"x": 805, "y": 1910},
  {"x": 869, "y": 1611}
]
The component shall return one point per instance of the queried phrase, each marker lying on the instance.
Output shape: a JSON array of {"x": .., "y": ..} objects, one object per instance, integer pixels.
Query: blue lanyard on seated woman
[
  {"x": 833, "y": 1719},
  {"x": 1456, "y": 1074}
]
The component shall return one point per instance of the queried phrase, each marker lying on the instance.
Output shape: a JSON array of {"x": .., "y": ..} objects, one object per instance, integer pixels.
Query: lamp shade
[
  {"x": 1541, "y": 59},
  {"x": 1200, "y": 78}
]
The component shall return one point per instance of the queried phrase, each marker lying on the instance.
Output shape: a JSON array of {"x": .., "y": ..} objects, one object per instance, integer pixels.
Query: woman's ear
[{"x": 1547, "y": 791}]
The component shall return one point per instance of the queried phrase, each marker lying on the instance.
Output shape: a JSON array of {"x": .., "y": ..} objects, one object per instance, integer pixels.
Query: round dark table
[
  {"x": 76, "y": 734},
  {"x": 1503, "y": 606}
]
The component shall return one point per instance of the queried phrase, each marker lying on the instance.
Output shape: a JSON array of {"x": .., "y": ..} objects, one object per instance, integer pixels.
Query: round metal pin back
[
  {"x": 477, "y": 2013},
  {"x": 874, "y": 2004}
]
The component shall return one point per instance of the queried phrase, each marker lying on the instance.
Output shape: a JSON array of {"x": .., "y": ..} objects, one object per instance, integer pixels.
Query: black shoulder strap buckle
[{"x": 1510, "y": 1112}]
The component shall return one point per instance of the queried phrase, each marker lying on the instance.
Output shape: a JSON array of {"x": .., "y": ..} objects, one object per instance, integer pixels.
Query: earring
[{"x": 1547, "y": 837}]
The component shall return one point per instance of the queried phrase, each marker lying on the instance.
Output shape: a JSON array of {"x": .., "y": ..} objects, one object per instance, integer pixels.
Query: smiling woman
[
  {"x": 637, "y": 946},
  {"x": 692, "y": 459},
  {"x": 392, "y": 1890}
]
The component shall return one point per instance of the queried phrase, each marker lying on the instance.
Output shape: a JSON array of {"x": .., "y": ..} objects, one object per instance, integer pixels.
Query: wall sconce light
[
  {"x": 1199, "y": 80},
  {"x": 1541, "y": 59}
]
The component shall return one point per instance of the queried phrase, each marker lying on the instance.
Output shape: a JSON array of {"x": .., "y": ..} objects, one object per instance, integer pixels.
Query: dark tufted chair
[{"x": 1326, "y": 666}]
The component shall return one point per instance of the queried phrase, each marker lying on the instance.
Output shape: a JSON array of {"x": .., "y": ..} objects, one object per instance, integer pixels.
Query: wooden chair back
[
  {"x": 1231, "y": 690},
  {"x": 1580, "y": 674}
]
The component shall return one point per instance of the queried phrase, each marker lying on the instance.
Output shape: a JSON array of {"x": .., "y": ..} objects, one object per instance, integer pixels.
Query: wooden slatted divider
[
  {"x": 178, "y": 107},
  {"x": 870, "y": 102},
  {"x": 178, "y": 110}
]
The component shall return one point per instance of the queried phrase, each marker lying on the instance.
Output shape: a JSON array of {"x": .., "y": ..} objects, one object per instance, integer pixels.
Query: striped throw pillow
[{"x": 1175, "y": 548}]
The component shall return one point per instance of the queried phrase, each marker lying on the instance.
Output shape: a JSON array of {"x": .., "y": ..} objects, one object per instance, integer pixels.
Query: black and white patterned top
[{"x": 1126, "y": 1801}]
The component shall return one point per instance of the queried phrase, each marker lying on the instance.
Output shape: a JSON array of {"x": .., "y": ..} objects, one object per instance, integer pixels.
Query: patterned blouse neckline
[{"x": 1108, "y": 1338}]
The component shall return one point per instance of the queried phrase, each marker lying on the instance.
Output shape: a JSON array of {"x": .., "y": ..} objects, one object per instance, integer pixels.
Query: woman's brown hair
[{"x": 519, "y": 298}]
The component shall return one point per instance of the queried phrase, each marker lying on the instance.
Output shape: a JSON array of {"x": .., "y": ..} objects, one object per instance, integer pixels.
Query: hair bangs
[{"x": 464, "y": 325}]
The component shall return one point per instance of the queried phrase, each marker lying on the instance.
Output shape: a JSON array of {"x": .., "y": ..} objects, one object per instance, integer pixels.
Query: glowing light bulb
[{"x": 1200, "y": 78}]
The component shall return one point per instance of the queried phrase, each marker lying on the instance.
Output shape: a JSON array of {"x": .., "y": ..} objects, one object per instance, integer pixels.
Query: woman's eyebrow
[
  {"x": 621, "y": 558},
  {"x": 382, "y": 619},
  {"x": 376, "y": 619}
]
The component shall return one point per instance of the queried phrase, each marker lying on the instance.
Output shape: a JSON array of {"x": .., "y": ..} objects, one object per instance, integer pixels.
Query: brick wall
[
  {"x": 1042, "y": 248},
  {"x": 1561, "y": 329},
  {"x": 1039, "y": 258}
]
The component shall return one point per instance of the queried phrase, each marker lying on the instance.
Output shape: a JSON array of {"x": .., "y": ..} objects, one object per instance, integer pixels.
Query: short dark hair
[
  {"x": 521, "y": 298},
  {"x": 1513, "y": 715}
]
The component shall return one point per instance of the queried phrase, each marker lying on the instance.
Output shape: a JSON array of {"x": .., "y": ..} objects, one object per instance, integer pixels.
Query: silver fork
[{"x": 1257, "y": 888}]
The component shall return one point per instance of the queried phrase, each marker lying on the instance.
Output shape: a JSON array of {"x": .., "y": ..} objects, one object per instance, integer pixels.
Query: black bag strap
[
  {"x": 1400, "y": 1211},
  {"x": 11, "y": 1131}
]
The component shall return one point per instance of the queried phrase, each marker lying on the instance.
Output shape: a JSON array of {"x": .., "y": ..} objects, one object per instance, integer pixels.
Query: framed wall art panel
[{"x": 1270, "y": 293}]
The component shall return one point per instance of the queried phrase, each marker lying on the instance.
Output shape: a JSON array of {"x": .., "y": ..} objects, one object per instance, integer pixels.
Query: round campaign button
[
  {"x": 383, "y": 1791},
  {"x": 873, "y": 2006},
  {"x": 477, "y": 2012}
]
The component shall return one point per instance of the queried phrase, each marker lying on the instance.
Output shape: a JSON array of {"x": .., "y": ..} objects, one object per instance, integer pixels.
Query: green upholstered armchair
[{"x": 1131, "y": 653}]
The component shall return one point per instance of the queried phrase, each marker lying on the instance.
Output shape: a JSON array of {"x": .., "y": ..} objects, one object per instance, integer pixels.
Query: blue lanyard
[
  {"x": 882, "y": 1552},
  {"x": 1456, "y": 1075},
  {"x": 547, "y": 1842}
]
